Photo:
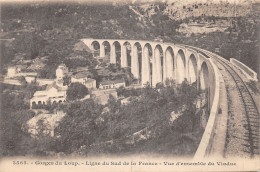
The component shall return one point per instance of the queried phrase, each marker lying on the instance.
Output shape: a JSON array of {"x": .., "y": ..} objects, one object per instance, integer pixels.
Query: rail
[{"x": 251, "y": 111}]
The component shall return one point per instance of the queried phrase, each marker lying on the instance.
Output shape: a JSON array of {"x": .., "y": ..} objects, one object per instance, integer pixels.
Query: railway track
[{"x": 251, "y": 111}]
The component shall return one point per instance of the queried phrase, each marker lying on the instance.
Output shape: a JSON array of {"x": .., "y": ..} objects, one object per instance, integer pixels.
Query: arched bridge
[{"x": 155, "y": 62}]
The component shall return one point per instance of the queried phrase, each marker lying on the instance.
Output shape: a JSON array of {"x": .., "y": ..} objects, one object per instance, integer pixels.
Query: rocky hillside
[
  {"x": 179, "y": 9},
  {"x": 52, "y": 29}
]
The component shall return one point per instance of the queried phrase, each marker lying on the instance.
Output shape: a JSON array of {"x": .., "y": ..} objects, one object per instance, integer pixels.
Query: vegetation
[
  {"x": 76, "y": 91},
  {"x": 151, "y": 110},
  {"x": 53, "y": 29},
  {"x": 14, "y": 115},
  {"x": 88, "y": 125}
]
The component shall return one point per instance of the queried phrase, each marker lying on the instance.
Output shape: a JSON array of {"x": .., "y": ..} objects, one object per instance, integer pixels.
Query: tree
[
  {"x": 76, "y": 91},
  {"x": 113, "y": 104},
  {"x": 30, "y": 43},
  {"x": 66, "y": 80},
  {"x": 78, "y": 127}
]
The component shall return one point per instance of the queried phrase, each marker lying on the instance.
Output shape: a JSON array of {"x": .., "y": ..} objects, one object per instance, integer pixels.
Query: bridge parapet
[
  {"x": 250, "y": 74},
  {"x": 205, "y": 145}
]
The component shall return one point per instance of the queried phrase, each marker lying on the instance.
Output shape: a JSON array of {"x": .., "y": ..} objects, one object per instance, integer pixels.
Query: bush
[{"x": 76, "y": 91}]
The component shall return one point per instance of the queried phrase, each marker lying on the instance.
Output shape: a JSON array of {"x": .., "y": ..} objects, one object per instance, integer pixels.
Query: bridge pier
[
  {"x": 146, "y": 75},
  {"x": 169, "y": 65},
  {"x": 102, "y": 50},
  {"x": 113, "y": 54},
  {"x": 157, "y": 72},
  {"x": 124, "y": 56},
  {"x": 134, "y": 62},
  {"x": 181, "y": 67}
]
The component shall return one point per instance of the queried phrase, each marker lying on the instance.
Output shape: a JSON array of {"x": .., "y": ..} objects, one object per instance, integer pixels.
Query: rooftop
[
  {"x": 108, "y": 82},
  {"x": 103, "y": 92},
  {"x": 40, "y": 93},
  {"x": 54, "y": 85},
  {"x": 90, "y": 80},
  {"x": 62, "y": 66},
  {"x": 80, "y": 75}
]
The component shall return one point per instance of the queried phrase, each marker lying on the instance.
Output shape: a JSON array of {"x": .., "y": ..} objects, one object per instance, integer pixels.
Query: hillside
[
  {"x": 54, "y": 28},
  {"x": 178, "y": 9}
]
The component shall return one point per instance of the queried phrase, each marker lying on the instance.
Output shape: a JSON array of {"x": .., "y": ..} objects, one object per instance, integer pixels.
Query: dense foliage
[
  {"x": 53, "y": 29},
  {"x": 76, "y": 91},
  {"x": 88, "y": 124}
]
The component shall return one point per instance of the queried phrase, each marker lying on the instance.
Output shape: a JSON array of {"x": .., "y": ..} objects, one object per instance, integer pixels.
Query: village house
[
  {"x": 17, "y": 71},
  {"x": 11, "y": 71},
  {"x": 37, "y": 64},
  {"x": 43, "y": 81},
  {"x": 54, "y": 93},
  {"x": 61, "y": 71},
  {"x": 83, "y": 79},
  {"x": 126, "y": 101},
  {"x": 111, "y": 84},
  {"x": 14, "y": 74}
]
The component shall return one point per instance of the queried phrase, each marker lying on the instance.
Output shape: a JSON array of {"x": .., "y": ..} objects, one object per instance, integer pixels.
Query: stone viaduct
[{"x": 155, "y": 62}]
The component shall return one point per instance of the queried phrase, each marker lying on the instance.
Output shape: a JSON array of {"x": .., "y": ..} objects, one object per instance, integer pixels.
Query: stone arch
[
  {"x": 204, "y": 76},
  {"x": 205, "y": 91},
  {"x": 158, "y": 65},
  {"x": 96, "y": 47},
  {"x": 105, "y": 50},
  {"x": 39, "y": 102},
  {"x": 147, "y": 64},
  {"x": 180, "y": 67},
  {"x": 192, "y": 69},
  {"x": 169, "y": 60},
  {"x": 136, "y": 63},
  {"x": 126, "y": 49},
  {"x": 60, "y": 101},
  {"x": 116, "y": 53},
  {"x": 33, "y": 104}
]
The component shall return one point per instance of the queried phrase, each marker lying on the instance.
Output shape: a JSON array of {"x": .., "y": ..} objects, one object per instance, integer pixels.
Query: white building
[
  {"x": 11, "y": 71},
  {"x": 52, "y": 94},
  {"x": 61, "y": 71},
  {"x": 83, "y": 79},
  {"x": 41, "y": 81},
  {"x": 111, "y": 84}
]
